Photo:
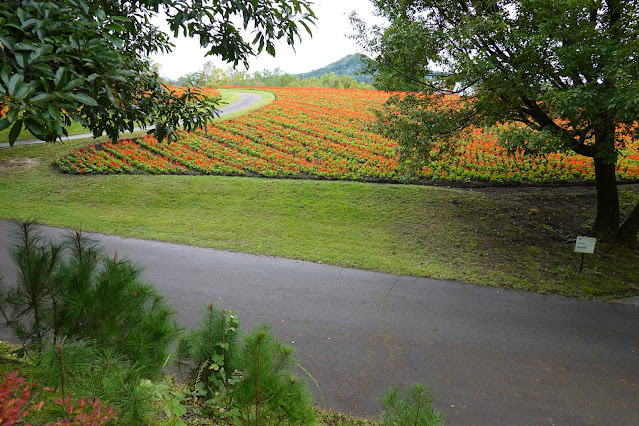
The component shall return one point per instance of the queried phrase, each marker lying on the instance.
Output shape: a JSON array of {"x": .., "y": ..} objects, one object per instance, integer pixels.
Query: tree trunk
[
  {"x": 630, "y": 228},
  {"x": 606, "y": 227}
]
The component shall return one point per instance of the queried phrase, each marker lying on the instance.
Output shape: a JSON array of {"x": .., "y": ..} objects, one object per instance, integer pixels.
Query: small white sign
[{"x": 585, "y": 245}]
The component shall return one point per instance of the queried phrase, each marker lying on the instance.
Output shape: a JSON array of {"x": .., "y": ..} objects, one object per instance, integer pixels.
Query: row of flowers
[{"x": 324, "y": 133}]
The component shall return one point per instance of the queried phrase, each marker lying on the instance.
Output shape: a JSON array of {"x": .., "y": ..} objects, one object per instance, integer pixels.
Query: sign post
[{"x": 585, "y": 245}]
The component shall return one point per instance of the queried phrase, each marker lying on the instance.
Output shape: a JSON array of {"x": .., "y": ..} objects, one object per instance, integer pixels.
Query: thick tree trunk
[
  {"x": 630, "y": 228},
  {"x": 606, "y": 227}
]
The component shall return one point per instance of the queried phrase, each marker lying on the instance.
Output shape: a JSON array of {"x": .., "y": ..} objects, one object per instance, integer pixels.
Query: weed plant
[
  {"x": 411, "y": 406},
  {"x": 212, "y": 350},
  {"x": 251, "y": 381}
]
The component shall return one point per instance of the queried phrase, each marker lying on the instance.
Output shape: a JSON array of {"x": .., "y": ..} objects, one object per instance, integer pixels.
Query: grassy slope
[
  {"x": 228, "y": 97},
  {"x": 489, "y": 237}
]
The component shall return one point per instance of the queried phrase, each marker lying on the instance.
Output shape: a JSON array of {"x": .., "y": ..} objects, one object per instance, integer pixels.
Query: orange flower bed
[
  {"x": 207, "y": 91},
  {"x": 323, "y": 133}
]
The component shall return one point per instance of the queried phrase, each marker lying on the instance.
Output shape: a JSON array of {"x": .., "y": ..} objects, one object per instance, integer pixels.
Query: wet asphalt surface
[{"x": 494, "y": 356}]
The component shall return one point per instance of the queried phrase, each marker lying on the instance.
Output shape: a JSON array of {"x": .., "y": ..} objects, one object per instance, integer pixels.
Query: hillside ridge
[{"x": 349, "y": 65}]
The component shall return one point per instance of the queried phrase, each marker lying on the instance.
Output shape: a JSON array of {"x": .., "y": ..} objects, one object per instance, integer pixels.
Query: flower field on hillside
[{"x": 322, "y": 133}]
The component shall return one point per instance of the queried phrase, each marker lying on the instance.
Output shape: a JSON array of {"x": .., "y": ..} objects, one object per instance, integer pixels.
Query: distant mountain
[{"x": 348, "y": 65}]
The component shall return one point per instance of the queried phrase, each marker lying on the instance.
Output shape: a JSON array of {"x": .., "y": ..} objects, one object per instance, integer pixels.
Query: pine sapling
[{"x": 268, "y": 392}]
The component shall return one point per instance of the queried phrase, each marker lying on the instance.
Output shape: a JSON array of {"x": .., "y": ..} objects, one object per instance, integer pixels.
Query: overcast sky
[{"x": 328, "y": 44}]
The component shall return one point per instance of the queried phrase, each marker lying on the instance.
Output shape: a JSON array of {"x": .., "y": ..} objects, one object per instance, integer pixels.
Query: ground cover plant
[{"x": 324, "y": 133}]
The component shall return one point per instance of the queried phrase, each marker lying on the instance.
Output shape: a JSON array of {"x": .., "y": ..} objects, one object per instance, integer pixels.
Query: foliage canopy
[
  {"x": 564, "y": 72},
  {"x": 88, "y": 60}
]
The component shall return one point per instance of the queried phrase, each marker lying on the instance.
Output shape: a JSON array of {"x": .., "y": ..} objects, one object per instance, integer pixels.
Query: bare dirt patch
[{"x": 19, "y": 162}]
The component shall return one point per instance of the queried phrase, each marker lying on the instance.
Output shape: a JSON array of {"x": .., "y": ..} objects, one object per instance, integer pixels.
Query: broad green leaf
[
  {"x": 15, "y": 131},
  {"x": 114, "y": 27},
  {"x": 54, "y": 112},
  {"x": 84, "y": 99},
  {"x": 5, "y": 73},
  {"x": 20, "y": 59},
  {"x": 60, "y": 75},
  {"x": 42, "y": 97},
  {"x": 74, "y": 83},
  {"x": 4, "y": 123},
  {"x": 6, "y": 42},
  {"x": 25, "y": 46},
  {"x": 115, "y": 40},
  {"x": 22, "y": 15},
  {"x": 15, "y": 83},
  {"x": 35, "y": 128},
  {"x": 12, "y": 114},
  {"x": 23, "y": 92},
  {"x": 29, "y": 23}
]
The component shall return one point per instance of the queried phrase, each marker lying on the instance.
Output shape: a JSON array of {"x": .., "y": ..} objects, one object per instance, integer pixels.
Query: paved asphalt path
[
  {"x": 245, "y": 100},
  {"x": 495, "y": 357}
]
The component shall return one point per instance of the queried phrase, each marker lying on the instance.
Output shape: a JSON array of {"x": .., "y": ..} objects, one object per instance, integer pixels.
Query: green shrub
[
  {"x": 28, "y": 308},
  {"x": 80, "y": 368},
  {"x": 86, "y": 296}
]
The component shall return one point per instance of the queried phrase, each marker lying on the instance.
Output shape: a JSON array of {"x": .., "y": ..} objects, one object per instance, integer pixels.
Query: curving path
[
  {"x": 245, "y": 100},
  {"x": 494, "y": 356}
]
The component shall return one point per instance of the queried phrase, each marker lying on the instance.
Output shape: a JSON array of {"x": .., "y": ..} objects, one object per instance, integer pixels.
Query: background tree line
[{"x": 210, "y": 76}]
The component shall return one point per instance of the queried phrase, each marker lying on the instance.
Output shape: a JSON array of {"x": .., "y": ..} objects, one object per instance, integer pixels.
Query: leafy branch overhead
[{"x": 88, "y": 61}]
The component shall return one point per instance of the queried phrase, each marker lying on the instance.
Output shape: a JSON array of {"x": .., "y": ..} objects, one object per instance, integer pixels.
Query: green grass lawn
[
  {"x": 228, "y": 97},
  {"x": 516, "y": 238}
]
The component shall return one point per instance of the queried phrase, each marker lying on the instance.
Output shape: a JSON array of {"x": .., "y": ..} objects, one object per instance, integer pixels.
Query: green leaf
[
  {"x": 54, "y": 112},
  {"x": 29, "y": 23},
  {"x": 15, "y": 131},
  {"x": 24, "y": 46},
  {"x": 60, "y": 75},
  {"x": 15, "y": 83},
  {"x": 35, "y": 128},
  {"x": 74, "y": 83},
  {"x": 4, "y": 74},
  {"x": 20, "y": 59},
  {"x": 111, "y": 97},
  {"x": 43, "y": 67},
  {"x": 114, "y": 27},
  {"x": 114, "y": 40},
  {"x": 12, "y": 114},
  {"x": 22, "y": 15},
  {"x": 4, "y": 123},
  {"x": 23, "y": 92},
  {"x": 84, "y": 99},
  {"x": 6, "y": 42},
  {"x": 42, "y": 97}
]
